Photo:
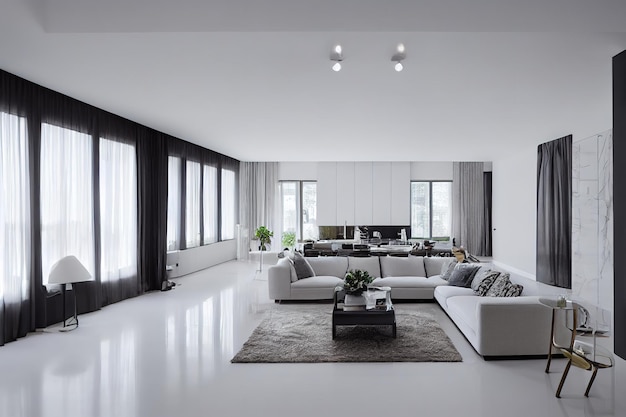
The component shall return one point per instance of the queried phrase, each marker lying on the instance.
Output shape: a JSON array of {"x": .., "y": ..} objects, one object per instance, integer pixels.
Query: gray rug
[{"x": 305, "y": 336}]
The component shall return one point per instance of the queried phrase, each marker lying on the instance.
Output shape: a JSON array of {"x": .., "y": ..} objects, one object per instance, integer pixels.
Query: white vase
[{"x": 354, "y": 300}]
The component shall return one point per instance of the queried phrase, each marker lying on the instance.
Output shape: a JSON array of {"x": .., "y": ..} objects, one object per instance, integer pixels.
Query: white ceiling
[{"x": 252, "y": 79}]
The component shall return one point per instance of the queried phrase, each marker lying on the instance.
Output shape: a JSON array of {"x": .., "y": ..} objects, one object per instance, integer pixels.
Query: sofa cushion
[
  {"x": 463, "y": 274},
  {"x": 319, "y": 281},
  {"x": 302, "y": 267},
  {"x": 394, "y": 266},
  {"x": 335, "y": 266},
  {"x": 435, "y": 265},
  {"x": 446, "y": 270},
  {"x": 444, "y": 292},
  {"x": 369, "y": 264},
  {"x": 503, "y": 287},
  {"x": 405, "y": 282},
  {"x": 481, "y": 275}
]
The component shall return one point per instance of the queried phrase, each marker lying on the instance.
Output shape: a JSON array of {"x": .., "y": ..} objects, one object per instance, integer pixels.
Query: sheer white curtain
[
  {"x": 173, "y": 203},
  {"x": 259, "y": 202},
  {"x": 118, "y": 210},
  {"x": 209, "y": 195},
  {"x": 66, "y": 197},
  {"x": 228, "y": 204},
  {"x": 14, "y": 212},
  {"x": 468, "y": 206},
  {"x": 192, "y": 210}
]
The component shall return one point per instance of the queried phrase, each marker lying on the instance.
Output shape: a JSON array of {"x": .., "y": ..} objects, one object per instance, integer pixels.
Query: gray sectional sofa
[{"x": 494, "y": 326}]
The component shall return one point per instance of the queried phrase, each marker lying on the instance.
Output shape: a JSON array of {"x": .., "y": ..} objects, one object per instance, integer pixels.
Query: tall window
[
  {"x": 173, "y": 203},
  {"x": 14, "y": 211},
  {"x": 431, "y": 209},
  {"x": 228, "y": 204},
  {"x": 299, "y": 208},
  {"x": 118, "y": 210},
  {"x": 192, "y": 205},
  {"x": 209, "y": 206},
  {"x": 66, "y": 197}
]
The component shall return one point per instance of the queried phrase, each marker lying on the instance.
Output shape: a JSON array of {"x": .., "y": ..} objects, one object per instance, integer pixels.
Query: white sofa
[
  {"x": 413, "y": 277},
  {"x": 502, "y": 326},
  {"x": 494, "y": 326}
]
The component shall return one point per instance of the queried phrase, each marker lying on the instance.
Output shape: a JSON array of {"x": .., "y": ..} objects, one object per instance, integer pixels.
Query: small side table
[
  {"x": 569, "y": 307},
  {"x": 582, "y": 354}
]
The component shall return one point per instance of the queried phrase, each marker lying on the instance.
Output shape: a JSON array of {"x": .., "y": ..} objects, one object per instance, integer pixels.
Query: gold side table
[
  {"x": 568, "y": 307},
  {"x": 582, "y": 354}
]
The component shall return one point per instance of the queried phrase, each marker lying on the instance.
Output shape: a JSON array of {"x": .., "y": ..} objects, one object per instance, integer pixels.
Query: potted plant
[
  {"x": 289, "y": 240},
  {"x": 355, "y": 282},
  {"x": 264, "y": 235}
]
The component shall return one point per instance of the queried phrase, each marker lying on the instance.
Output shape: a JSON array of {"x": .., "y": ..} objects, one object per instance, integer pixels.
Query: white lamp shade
[{"x": 68, "y": 270}]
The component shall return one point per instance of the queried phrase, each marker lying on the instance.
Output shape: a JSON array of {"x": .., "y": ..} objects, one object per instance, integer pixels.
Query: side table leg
[
  {"x": 551, "y": 343},
  {"x": 593, "y": 377},
  {"x": 558, "y": 391}
]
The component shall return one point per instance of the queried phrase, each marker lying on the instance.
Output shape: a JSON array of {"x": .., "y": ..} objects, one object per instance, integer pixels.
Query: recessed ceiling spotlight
[
  {"x": 336, "y": 55},
  {"x": 398, "y": 57}
]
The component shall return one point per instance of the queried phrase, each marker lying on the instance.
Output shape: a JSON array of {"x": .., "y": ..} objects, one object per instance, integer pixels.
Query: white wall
[
  {"x": 431, "y": 171},
  {"x": 297, "y": 171},
  {"x": 196, "y": 259},
  {"x": 514, "y": 210}
]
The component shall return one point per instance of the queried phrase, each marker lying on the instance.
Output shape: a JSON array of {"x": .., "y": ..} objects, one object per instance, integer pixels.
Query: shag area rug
[{"x": 306, "y": 336}]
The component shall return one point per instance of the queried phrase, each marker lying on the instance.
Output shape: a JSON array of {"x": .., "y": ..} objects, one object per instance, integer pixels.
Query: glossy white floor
[{"x": 168, "y": 354}]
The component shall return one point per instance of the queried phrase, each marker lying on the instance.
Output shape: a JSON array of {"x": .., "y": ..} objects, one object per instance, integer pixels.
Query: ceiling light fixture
[
  {"x": 398, "y": 57},
  {"x": 336, "y": 55}
]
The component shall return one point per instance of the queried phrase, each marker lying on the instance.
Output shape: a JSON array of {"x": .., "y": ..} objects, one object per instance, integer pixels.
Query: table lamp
[{"x": 68, "y": 270}]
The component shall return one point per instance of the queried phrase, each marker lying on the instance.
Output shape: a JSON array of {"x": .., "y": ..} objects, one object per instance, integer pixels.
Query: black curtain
[
  {"x": 554, "y": 212},
  {"x": 152, "y": 215},
  {"x": 487, "y": 187},
  {"x": 39, "y": 104}
]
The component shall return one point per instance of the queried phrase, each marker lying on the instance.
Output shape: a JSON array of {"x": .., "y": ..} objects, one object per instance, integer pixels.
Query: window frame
[
  {"x": 299, "y": 205},
  {"x": 430, "y": 209}
]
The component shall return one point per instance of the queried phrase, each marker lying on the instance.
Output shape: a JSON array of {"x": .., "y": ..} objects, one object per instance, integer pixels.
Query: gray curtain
[
  {"x": 258, "y": 192},
  {"x": 468, "y": 206},
  {"x": 554, "y": 212}
]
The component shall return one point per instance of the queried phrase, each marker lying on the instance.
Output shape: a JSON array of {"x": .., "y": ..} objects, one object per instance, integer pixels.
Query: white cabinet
[
  {"x": 327, "y": 194},
  {"x": 381, "y": 193},
  {"x": 363, "y": 193},
  {"x": 400, "y": 193},
  {"x": 345, "y": 193}
]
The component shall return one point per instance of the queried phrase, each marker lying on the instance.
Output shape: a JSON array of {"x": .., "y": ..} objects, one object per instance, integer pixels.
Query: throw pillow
[
  {"x": 482, "y": 274},
  {"x": 302, "y": 267},
  {"x": 486, "y": 284},
  {"x": 503, "y": 287},
  {"x": 446, "y": 271},
  {"x": 463, "y": 274}
]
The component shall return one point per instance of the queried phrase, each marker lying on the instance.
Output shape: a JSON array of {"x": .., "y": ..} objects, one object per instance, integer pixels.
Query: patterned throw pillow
[
  {"x": 463, "y": 274},
  {"x": 446, "y": 271},
  {"x": 503, "y": 287},
  {"x": 486, "y": 284},
  {"x": 483, "y": 273},
  {"x": 302, "y": 267}
]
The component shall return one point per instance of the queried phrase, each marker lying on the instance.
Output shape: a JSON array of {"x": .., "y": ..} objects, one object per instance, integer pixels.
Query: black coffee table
[{"x": 362, "y": 317}]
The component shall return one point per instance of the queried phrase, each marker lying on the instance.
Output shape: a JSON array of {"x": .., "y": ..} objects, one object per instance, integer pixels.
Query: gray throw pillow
[
  {"x": 302, "y": 267},
  {"x": 482, "y": 274},
  {"x": 446, "y": 271},
  {"x": 463, "y": 274}
]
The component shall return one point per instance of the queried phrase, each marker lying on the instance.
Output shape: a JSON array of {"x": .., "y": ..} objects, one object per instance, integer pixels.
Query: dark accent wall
[{"x": 619, "y": 199}]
